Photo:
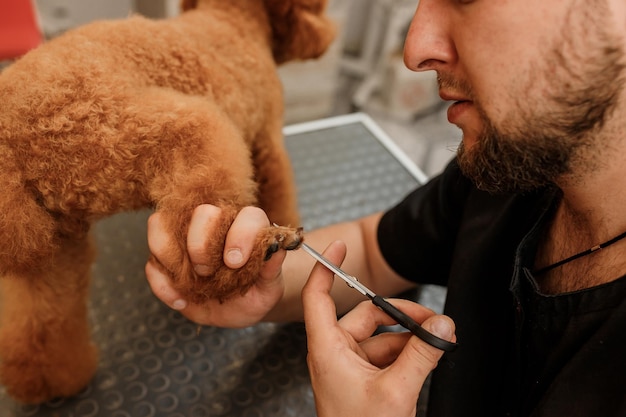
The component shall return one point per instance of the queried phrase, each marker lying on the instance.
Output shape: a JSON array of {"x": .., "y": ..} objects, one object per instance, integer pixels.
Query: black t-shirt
[{"x": 521, "y": 353}]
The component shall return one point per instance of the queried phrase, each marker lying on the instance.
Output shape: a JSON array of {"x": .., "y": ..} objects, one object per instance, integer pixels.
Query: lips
[
  {"x": 461, "y": 103},
  {"x": 452, "y": 96},
  {"x": 456, "y": 111}
]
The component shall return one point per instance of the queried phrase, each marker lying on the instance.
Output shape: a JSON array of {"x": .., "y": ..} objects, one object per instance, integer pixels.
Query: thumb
[{"x": 418, "y": 358}]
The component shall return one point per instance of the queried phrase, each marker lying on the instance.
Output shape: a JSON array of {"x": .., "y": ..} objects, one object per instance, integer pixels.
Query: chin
[{"x": 469, "y": 140}]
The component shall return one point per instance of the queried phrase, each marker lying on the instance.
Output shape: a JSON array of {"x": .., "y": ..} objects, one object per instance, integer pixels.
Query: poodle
[{"x": 122, "y": 115}]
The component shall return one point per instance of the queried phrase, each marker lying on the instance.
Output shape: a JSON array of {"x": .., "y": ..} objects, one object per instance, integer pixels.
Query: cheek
[
  {"x": 497, "y": 69},
  {"x": 497, "y": 96}
]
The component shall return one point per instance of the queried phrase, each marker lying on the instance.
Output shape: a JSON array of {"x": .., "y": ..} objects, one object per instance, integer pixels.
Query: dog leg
[
  {"x": 277, "y": 188},
  {"x": 218, "y": 281},
  {"x": 216, "y": 170},
  {"x": 45, "y": 346},
  {"x": 27, "y": 230}
]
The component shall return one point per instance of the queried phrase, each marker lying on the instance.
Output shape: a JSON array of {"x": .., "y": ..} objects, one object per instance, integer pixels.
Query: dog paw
[
  {"x": 280, "y": 237},
  {"x": 35, "y": 376},
  {"x": 221, "y": 282},
  {"x": 228, "y": 283}
]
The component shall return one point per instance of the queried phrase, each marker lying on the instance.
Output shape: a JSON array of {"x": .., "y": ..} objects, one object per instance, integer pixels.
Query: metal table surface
[{"x": 154, "y": 362}]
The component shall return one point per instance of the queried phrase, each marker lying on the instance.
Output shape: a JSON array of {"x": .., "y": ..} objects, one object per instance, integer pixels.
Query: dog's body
[{"x": 128, "y": 114}]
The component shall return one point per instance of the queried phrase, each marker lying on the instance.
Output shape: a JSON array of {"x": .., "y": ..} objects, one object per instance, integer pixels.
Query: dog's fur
[{"x": 122, "y": 115}]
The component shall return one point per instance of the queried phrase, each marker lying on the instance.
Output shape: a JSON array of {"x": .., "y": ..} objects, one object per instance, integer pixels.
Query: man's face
[{"x": 533, "y": 83}]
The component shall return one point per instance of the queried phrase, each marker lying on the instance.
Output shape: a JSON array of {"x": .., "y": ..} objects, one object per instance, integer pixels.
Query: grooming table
[{"x": 155, "y": 363}]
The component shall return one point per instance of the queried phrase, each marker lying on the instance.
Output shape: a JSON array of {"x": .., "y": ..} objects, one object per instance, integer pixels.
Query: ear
[
  {"x": 188, "y": 4},
  {"x": 301, "y": 29}
]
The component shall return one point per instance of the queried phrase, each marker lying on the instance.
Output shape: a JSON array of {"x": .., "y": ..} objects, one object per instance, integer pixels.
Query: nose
[{"x": 428, "y": 45}]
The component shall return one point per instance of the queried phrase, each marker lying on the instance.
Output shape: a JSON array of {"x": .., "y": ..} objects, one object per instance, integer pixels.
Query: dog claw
[
  {"x": 273, "y": 248},
  {"x": 294, "y": 245},
  {"x": 284, "y": 238}
]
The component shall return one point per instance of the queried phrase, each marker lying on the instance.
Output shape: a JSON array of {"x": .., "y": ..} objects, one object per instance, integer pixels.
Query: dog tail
[
  {"x": 27, "y": 229},
  {"x": 301, "y": 29}
]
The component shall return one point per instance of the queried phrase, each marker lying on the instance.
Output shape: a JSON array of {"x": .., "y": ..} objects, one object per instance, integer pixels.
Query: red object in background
[{"x": 19, "y": 28}]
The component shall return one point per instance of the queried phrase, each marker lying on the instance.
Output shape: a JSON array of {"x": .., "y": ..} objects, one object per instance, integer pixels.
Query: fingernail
[
  {"x": 234, "y": 257},
  {"x": 179, "y": 304},
  {"x": 441, "y": 328},
  {"x": 202, "y": 270}
]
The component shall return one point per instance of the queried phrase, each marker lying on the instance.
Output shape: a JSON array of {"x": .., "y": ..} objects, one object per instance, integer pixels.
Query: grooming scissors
[{"x": 403, "y": 319}]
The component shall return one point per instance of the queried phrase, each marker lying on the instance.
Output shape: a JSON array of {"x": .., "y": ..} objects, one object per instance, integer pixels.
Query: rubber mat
[{"x": 154, "y": 362}]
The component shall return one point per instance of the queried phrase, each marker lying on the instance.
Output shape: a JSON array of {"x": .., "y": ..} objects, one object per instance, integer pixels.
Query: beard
[{"x": 547, "y": 140}]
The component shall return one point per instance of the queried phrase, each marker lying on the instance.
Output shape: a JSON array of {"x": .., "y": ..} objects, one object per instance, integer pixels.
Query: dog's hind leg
[{"x": 45, "y": 344}]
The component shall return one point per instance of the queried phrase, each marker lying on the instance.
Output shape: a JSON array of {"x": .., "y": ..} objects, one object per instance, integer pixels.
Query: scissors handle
[
  {"x": 402, "y": 319},
  {"x": 410, "y": 324}
]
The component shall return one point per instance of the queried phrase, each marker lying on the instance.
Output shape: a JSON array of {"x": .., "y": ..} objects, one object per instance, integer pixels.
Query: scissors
[{"x": 403, "y": 319}]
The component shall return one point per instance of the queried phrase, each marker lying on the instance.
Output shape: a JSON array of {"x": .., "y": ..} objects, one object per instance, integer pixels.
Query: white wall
[{"x": 58, "y": 16}]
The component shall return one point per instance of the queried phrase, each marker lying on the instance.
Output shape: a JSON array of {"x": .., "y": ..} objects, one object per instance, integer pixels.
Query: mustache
[{"x": 449, "y": 83}]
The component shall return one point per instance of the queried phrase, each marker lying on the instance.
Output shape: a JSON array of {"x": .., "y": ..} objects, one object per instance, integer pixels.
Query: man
[{"x": 512, "y": 227}]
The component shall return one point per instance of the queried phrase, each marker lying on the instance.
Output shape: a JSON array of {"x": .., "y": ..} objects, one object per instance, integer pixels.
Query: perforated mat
[{"x": 153, "y": 362}]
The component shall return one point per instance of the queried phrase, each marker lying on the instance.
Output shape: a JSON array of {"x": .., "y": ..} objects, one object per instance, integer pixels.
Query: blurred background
[{"x": 362, "y": 71}]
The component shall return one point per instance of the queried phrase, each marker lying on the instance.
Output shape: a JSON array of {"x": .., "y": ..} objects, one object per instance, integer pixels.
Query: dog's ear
[
  {"x": 301, "y": 29},
  {"x": 188, "y": 4}
]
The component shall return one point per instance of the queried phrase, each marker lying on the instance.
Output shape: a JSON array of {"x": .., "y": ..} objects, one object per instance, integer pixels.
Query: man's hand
[
  {"x": 241, "y": 311},
  {"x": 355, "y": 374}
]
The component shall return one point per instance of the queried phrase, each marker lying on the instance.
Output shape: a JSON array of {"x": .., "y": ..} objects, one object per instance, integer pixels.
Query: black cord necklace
[{"x": 580, "y": 255}]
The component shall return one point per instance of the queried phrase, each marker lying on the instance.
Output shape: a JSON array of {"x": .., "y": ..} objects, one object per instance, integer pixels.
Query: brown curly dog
[{"x": 122, "y": 115}]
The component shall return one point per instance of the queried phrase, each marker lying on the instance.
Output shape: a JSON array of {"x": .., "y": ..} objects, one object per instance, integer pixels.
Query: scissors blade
[{"x": 349, "y": 279}]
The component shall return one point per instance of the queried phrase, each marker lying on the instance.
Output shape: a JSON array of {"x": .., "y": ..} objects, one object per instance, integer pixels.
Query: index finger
[
  {"x": 201, "y": 228},
  {"x": 205, "y": 226},
  {"x": 160, "y": 244}
]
